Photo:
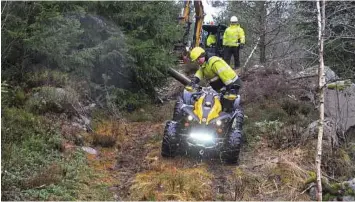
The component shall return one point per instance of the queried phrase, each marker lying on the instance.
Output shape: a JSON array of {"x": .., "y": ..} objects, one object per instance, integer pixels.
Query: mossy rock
[
  {"x": 329, "y": 197},
  {"x": 50, "y": 99},
  {"x": 339, "y": 85},
  {"x": 332, "y": 191}
]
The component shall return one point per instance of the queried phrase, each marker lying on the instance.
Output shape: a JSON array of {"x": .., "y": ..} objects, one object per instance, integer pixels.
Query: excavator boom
[{"x": 199, "y": 14}]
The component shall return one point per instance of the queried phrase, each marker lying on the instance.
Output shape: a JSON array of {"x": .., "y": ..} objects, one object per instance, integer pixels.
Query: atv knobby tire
[
  {"x": 238, "y": 120},
  {"x": 177, "y": 109},
  {"x": 231, "y": 149},
  {"x": 170, "y": 140}
]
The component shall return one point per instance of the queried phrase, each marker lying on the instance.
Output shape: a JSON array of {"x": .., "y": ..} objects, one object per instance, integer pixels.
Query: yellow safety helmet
[{"x": 196, "y": 53}]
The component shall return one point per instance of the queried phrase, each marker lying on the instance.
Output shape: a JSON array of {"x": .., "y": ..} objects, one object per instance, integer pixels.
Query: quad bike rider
[{"x": 207, "y": 118}]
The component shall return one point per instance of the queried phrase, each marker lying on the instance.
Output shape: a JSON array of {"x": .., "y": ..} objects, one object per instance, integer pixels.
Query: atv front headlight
[
  {"x": 218, "y": 122},
  {"x": 201, "y": 136}
]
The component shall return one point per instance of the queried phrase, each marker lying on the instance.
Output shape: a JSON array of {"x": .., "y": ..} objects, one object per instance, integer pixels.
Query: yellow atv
[{"x": 199, "y": 122}]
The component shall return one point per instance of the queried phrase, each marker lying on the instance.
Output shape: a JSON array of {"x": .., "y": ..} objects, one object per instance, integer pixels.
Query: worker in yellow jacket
[
  {"x": 233, "y": 41},
  {"x": 211, "y": 40},
  {"x": 216, "y": 71}
]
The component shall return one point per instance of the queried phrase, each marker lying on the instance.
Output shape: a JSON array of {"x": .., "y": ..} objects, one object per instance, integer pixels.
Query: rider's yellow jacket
[
  {"x": 216, "y": 69},
  {"x": 232, "y": 35}
]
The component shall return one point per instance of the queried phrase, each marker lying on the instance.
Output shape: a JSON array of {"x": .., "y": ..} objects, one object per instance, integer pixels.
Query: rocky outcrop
[
  {"x": 339, "y": 101},
  {"x": 340, "y": 106},
  {"x": 329, "y": 132},
  {"x": 343, "y": 191},
  {"x": 313, "y": 72}
]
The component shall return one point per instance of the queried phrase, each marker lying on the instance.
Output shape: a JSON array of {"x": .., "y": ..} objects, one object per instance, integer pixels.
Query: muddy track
[
  {"x": 140, "y": 154},
  {"x": 221, "y": 185},
  {"x": 130, "y": 160}
]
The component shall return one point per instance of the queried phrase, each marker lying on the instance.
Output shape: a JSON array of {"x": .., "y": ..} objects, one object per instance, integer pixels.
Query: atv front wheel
[
  {"x": 177, "y": 109},
  {"x": 170, "y": 140},
  {"x": 238, "y": 119},
  {"x": 230, "y": 152}
]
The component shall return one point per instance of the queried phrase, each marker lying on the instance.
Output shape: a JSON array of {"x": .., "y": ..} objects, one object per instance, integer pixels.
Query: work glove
[
  {"x": 193, "y": 85},
  {"x": 241, "y": 46},
  {"x": 195, "y": 80}
]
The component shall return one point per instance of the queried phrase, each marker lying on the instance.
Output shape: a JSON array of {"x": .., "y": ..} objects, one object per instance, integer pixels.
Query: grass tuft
[{"x": 171, "y": 183}]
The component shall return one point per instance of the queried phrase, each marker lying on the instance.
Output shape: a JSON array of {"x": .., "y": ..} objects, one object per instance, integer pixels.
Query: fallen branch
[
  {"x": 40, "y": 187},
  {"x": 330, "y": 177},
  {"x": 308, "y": 188},
  {"x": 246, "y": 62}
]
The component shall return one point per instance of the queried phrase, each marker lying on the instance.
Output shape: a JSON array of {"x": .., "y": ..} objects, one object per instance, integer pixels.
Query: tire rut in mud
[
  {"x": 130, "y": 161},
  {"x": 222, "y": 184}
]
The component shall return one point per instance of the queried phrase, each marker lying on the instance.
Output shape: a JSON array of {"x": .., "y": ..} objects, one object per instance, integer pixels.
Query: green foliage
[
  {"x": 47, "y": 77},
  {"x": 4, "y": 92},
  {"x": 14, "y": 117},
  {"x": 14, "y": 96},
  {"x": 269, "y": 126},
  {"x": 152, "y": 30},
  {"x": 33, "y": 167},
  {"x": 69, "y": 38},
  {"x": 280, "y": 121},
  {"x": 49, "y": 49},
  {"x": 152, "y": 113},
  {"x": 251, "y": 133},
  {"x": 124, "y": 99},
  {"x": 53, "y": 35},
  {"x": 51, "y": 99},
  {"x": 28, "y": 144}
]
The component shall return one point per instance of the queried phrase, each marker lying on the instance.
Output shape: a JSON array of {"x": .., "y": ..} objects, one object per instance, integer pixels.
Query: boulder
[
  {"x": 90, "y": 150},
  {"x": 83, "y": 122},
  {"x": 343, "y": 191},
  {"x": 339, "y": 101},
  {"x": 58, "y": 100},
  {"x": 340, "y": 105},
  {"x": 351, "y": 184},
  {"x": 329, "y": 132},
  {"x": 348, "y": 188},
  {"x": 330, "y": 75}
]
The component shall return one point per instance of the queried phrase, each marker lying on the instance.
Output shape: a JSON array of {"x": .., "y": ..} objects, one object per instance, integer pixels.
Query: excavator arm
[
  {"x": 199, "y": 14},
  {"x": 198, "y": 23},
  {"x": 185, "y": 20}
]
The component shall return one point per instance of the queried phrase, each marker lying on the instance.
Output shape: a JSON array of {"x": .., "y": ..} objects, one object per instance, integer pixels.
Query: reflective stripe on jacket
[
  {"x": 232, "y": 35},
  {"x": 216, "y": 68}
]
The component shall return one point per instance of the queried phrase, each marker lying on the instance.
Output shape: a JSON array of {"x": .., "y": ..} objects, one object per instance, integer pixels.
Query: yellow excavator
[
  {"x": 199, "y": 15},
  {"x": 182, "y": 48},
  {"x": 200, "y": 32}
]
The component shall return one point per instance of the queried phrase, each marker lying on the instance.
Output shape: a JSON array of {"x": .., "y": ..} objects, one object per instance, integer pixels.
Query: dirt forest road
[
  {"x": 135, "y": 169},
  {"x": 138, "y": 172}
]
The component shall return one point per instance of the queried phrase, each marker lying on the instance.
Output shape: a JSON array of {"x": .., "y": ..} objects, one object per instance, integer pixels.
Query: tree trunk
[
  {"x": 321, "y": 77},
  {"x": 262, "y": 28}
]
